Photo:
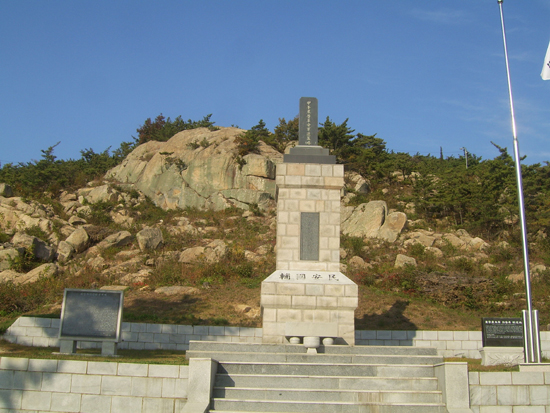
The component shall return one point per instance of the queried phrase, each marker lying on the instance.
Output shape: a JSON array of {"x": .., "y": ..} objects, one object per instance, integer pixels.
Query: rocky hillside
[
  {"x": 188, "y": 216},
  {"x": 198, "y": 168}
]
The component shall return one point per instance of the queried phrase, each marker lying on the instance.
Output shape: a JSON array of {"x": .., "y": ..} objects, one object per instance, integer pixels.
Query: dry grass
[
  {"x": 475, "y": 365},
  {"x": 124, "y": 356},
  {"x": 381, "y": 310}
]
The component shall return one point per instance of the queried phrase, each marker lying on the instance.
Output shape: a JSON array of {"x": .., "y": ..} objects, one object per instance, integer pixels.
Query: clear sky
[{"x": 420, "y": 74}]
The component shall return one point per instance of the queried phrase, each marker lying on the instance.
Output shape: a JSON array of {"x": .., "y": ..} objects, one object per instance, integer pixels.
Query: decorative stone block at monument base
[
  {"x": 510, "y": 356},
  {"x": 320, "y": 303}
]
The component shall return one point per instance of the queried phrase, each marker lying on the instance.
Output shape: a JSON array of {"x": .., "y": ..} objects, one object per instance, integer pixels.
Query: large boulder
[
  {"x": 9, "y": 275},
  {"x": 7, "y": 257},
  {"x": 191, "y": 255},
  {"x": 76, "y": 220},
  {"x": 419, "y": 237},
  {"x": 149, "y": 239},
  {"x": 392, "y": 227},
  {"x": 65, "y": 251},
  {"x": 452, "y": 240},
  {"x": 103, "y": 193},
  {"x": 45, "y": 270},
  {"x": 359, "y": 263},
  {"x": 120, "y": 239},
  {"x": 79, "y": 240},
  {"x": 365, "y": 220},
  {"x": 356, "y": 183},
  {"x": 403, "y": 260},
  {"x": 40, "y": 249},
  {"x": 180, "y": 173},
  {"x": 17, "y": 215},
  {"x": 371, "y": 220},
  {"x": 213, "y": 252}
]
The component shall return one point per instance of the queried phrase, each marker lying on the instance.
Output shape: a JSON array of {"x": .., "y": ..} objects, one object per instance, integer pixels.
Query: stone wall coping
[{"x": 94, "y": 368}]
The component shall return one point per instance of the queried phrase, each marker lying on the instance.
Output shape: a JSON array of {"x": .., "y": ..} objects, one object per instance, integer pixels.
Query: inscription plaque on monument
[
  {"x": 502, "y": 332},
  {"x": 309, "y": 236},
  {"x": 91, "y": 315},
  {"x": 308, "y": 120},
  {"x": 309, "y": 276}
]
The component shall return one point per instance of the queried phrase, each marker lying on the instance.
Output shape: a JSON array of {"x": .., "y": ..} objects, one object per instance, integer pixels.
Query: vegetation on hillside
[
  {"x": 481, "y": 198},
  {"x": 162, "y": 129}
]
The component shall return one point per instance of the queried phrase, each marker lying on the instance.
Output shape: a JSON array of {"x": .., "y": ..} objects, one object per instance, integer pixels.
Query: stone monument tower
[{"x": 307, "y": 297}]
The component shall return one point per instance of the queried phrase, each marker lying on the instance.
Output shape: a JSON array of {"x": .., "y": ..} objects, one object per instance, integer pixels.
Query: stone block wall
[
  {"x": 34, "y": 385},
  {"x": 42, "y": 332},
  {"x": 509, "y": 392},
  {"x": 448, "y": 343},
  {"x": 322, "y": 302},
  {"x": 308, "y": 188}
]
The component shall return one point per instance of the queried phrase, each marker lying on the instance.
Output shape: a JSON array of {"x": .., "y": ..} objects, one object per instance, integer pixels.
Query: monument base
[
  {"x": 298, "y": 304},
  {"x": 309, "y": 154},
  {"x": 510, "y": 356}
]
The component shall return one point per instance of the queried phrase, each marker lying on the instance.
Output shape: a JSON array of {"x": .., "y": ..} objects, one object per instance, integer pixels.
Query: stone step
[
  {"x": 315, "y": 358},
  {"x": 328, "y": 369},
  {"x": 329, "y": 395},
  {"x": 219, "y": 346},
  {"x": 234, "y": 405},
  {"x": 355, "y": 383}
]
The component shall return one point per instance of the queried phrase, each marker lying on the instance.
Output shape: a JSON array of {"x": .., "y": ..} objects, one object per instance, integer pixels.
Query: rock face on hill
[
  {"x": 198, "y": 168},
  {"x": 373, "y": 220}
]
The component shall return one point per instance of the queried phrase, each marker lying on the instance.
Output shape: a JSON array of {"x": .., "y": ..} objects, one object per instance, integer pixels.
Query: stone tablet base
[
  {"x": 108, "y": 348},
  {"x": 320, "y": 303},
  {"x": 511, "y": 356}
]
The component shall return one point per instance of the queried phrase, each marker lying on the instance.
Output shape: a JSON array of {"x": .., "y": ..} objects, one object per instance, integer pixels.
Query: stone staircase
[{"x": 339, "y": 379}]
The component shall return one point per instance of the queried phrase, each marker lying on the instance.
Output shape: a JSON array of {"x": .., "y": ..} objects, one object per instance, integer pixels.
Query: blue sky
[{"x": 420, "y": 74}]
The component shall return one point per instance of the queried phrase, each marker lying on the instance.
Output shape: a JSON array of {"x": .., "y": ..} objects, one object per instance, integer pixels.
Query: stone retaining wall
[
  {"x": 33, "y": 385},
  {"x": 42, "y": 332},
  {"x": 510, "y": 392}
]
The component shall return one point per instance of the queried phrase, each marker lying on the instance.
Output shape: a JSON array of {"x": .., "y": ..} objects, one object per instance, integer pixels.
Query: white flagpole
[{"x": 531, "y": 355}]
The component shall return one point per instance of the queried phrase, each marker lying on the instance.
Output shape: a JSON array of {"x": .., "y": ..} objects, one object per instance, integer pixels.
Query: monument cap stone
[{"x": 308, "y": 149}]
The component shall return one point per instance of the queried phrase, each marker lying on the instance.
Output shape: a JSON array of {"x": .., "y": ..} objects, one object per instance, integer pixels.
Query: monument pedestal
[
  {"x": 308, "y": 304},
  {"x": 509, "y": 356},
  {"x": 307, "y": 299},
  {"x": 307, "y": 296}
]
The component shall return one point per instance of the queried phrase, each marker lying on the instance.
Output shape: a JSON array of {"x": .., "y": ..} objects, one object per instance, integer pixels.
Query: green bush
[
  {"x": 4, "y": 237},
  {"x": 100, "y": 213},
  {"x": 52, "y": 175},
  {"x": 162, "y": 129},
  {"x": 417, "y": 250},
  {"x": 249, "y": 141},
  {"x": 353, "y": 245},
  {"x": 19, "y": 298},
  {"x": 285, "y": 133},
  {"x": 37, "y": 232}
]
